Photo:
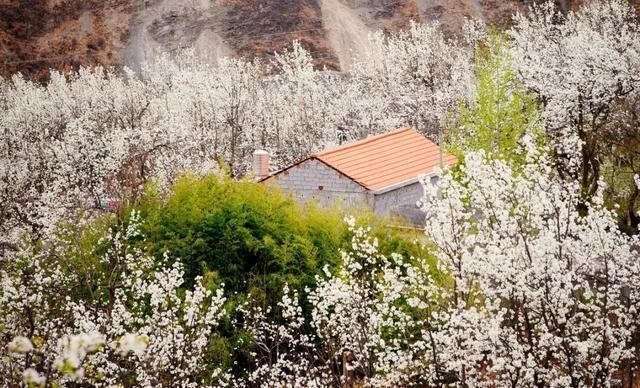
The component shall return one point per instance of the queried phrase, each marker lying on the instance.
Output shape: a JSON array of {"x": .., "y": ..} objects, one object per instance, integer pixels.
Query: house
[{"x": 381, "y": 172}]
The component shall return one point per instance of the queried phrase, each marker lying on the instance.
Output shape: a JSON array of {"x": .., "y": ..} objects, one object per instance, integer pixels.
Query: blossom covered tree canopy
[{"x": 134, "y": 251}]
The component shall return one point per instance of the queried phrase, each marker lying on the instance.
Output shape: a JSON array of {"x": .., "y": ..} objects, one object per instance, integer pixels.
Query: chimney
[{"x": 260, "y": 164}]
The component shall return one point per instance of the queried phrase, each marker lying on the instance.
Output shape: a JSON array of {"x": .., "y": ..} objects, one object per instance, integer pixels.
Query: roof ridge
[
  {"x": 361, "y": 142},
  {"x": 385, "y": 148}
]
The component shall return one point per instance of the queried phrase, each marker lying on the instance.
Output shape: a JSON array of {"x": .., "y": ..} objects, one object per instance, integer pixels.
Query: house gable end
[{"x": 307, "y": 160}]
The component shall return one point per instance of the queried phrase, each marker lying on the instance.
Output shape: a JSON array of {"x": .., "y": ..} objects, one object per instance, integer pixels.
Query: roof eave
[{"x": 402, "y": 184}]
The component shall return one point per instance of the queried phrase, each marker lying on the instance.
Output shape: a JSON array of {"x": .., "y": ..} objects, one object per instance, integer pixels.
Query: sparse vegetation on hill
[{"x": 64, "y": 35}]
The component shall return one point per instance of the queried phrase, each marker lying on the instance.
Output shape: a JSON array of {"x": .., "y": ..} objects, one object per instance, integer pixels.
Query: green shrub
[{"x": 241, "y": 234}]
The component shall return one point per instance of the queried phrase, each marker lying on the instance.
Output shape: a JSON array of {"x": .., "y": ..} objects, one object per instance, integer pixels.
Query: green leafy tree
[
  {"x": 250, "y": 237},
  {"x": 502, "y": 110},
  {"x": 239, "y": 233}
]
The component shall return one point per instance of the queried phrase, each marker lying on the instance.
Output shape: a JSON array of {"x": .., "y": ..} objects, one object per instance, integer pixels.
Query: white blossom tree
[
  {"x": 530, "y": 291},
  {"x": 582, "y": 65},
  {"x": 285, "y": 351},
  {"x": 556, "y": 290},
  {"x": 126, "y": 305},
  {"x": 98, "y": 136},
  {"x": 415, "y": 78}
]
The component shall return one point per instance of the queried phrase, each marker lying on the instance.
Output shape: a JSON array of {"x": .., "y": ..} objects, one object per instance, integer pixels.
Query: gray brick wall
[
  {"x": 314, "y": 180},
  {"x": 401, "y": 201}
]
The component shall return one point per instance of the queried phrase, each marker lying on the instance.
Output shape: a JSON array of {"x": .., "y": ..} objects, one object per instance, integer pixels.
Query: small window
[{"x": 320, "y": 188}]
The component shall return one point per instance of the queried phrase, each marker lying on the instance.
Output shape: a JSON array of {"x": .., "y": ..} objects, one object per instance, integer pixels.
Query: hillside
[{"x": 64, "y": 34}]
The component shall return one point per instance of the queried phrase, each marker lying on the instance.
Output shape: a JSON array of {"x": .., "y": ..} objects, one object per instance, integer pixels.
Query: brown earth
[{"x": 36, "y": 35}]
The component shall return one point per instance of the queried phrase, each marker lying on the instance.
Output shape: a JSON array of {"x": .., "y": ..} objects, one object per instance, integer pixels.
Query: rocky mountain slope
[{"x": 36, "y": 35}]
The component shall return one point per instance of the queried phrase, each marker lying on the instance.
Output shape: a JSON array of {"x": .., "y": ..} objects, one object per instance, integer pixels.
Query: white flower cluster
[
  {"x": 364, "y": 314},
  {"x": 583, "y": 66},
  {"x": 543, "y": 294},
  {"x": 32, "y": 378},
  {"x": 286, "y": 353},
  {"x": 71, "y": 354},
  {"x": 19, "y": 346},
  {"x": 131, "y": 343},
  {"x": 72, "y": 351},
  {"x": 136, "y": 326}
]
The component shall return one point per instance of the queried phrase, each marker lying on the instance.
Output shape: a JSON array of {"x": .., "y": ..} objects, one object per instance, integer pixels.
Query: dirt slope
[{"x": 36, "y": 35}]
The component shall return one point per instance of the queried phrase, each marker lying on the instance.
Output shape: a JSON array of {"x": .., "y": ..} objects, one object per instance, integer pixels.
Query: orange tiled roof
[{"x": 387, "y": 159}]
